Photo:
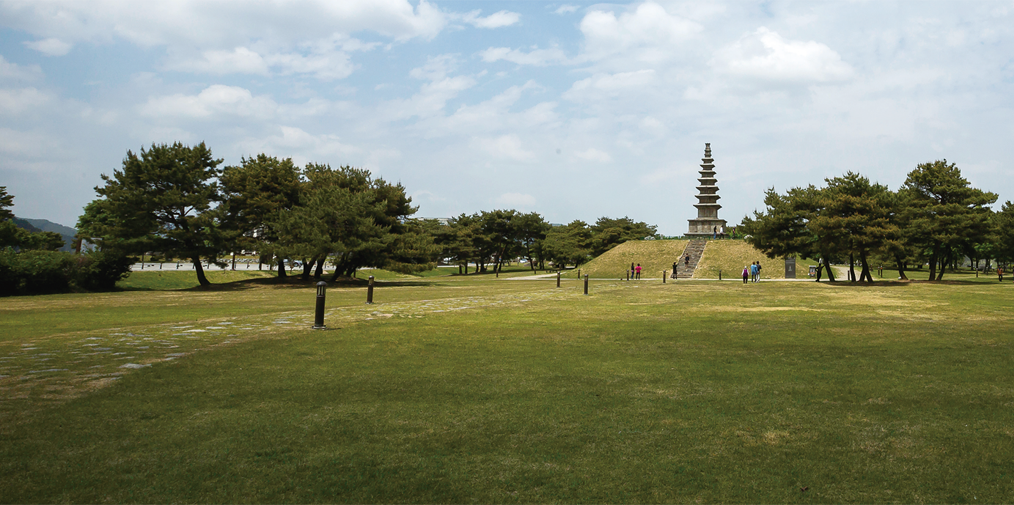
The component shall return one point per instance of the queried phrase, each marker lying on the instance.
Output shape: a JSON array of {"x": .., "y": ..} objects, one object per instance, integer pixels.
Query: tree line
[
  {"x": 175, "y": 201},
  {"x": 936, "y": 218},
  {"x": 489, "y": 238}
]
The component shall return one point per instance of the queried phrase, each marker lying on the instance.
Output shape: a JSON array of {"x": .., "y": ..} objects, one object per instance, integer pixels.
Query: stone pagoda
[{"x": 707, "y": 222}]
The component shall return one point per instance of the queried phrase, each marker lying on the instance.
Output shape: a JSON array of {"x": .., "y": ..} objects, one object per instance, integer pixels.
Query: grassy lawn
[{"x": 474, "y": 389}]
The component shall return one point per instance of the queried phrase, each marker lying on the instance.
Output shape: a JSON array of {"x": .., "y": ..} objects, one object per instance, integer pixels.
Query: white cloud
[
  {"x": 433, "y": 95},
  {"x": 495, "y": 20},
  {"x": 237, "y": 61},
  {"x": 647, "y": 34},
  {"x": 31, "y": 144},
  {"x": 566, "y": 9},
  {"x": 13, "y": 72},
  {"x": 221, "y": 23},
  {"x": 303, "y": 147},
  {"x": 537, "y": 57},
  {"x": 429, "y": 101},
  {"x": 493, "y": 115},
  {"x": 18, "y": 101},
  {"x": 601, "y": 86},
  {"x": 436, "y": 67},
  {"x": 326, "y": 67},
  {"x": 522, "y": 200},
  {"x": 50, "y": 46},
  {"x": 506, "y": 146},
  {"x": 592, "y": 154},
  {"x": 215, "y": 100},
  {"x": 652, "y": 126},
  {"x": 294, "y": 137},
  {"x": 766, "y": 56},
  {"x": 327, "y": 59},
  {"x": 662, "y": 177}
]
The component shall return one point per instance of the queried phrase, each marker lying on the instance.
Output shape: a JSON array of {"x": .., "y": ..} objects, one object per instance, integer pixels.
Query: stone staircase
[{"x": 695, "y": 249}]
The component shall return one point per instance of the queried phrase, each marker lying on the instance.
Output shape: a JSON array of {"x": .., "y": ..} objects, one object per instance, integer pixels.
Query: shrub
[
  {"x": 99, "y": 270},
  {"x": 35, "y": 272},
  {"x": 38, "y": 272}
]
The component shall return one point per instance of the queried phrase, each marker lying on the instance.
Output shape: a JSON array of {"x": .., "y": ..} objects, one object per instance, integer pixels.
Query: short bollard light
[
  {"x": 586, "y": 284},
  {"x": 369, "y": 292},
  {"x": 719, "y": 274},
  {"x": 557, "y": 279},
  {"x": 663, "y": 275},
  {"x": 318, "y": 319}
]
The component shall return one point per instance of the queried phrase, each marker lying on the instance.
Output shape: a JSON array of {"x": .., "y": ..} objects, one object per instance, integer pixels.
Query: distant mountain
[
  {"x": 34, "y": 225},
  {"x": 25, "y": 225}
]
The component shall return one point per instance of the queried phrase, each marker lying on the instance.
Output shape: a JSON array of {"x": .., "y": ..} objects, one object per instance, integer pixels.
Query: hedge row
[{"x": 38, "y": 272}]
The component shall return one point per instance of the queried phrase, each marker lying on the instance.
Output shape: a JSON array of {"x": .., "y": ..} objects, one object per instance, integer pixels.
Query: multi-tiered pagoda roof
[{"x": 707, "y": 222}]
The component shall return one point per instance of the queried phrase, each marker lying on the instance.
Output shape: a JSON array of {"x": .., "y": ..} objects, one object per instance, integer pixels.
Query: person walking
[
  {"x": 637, "y": 274},
  {"x": 999, "y": 273},
  {"x": 745, "y": 270},
  {"x": 758, "y": 272},
  {"x": 674, "y": 265},
  {"x": 686, "y": 262},
  {"x": 631, "y": 270},
  {"x": 753, "y": 272}
]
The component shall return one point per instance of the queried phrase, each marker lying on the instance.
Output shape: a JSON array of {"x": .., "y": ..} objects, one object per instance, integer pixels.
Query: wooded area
[
  {"x": 173, "y": 201},
  {"x": 935, "y": 218}
]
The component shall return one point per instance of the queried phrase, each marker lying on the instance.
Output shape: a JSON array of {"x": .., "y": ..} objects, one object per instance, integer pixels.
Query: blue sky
[{"x": 574, "y": 110}]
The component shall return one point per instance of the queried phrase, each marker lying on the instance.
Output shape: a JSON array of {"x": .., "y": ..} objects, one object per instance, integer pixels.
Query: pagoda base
[{"x": 705, "y": 227}]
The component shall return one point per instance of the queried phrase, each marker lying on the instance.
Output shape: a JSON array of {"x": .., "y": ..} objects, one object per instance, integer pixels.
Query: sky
[{"x": 573, "y": 110}]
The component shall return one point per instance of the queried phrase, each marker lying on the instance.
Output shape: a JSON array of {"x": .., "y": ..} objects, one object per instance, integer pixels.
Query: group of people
[{"x": 752, "y": 272}]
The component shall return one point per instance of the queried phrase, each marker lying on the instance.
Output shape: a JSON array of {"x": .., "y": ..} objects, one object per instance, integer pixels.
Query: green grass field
[{"x": 477, "y": 389}]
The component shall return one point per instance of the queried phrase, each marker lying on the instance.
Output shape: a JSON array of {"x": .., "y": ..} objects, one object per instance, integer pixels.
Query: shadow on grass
[
  {"x": 300, "y": 283},
  {"x": 905, "y": 282}
]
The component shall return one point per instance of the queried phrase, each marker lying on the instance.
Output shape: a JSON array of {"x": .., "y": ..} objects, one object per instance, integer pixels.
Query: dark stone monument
[{"x": 790, "y": 267}]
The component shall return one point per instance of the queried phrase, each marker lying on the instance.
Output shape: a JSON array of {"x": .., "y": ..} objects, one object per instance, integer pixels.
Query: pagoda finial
[{"x": 707, "y": 149}]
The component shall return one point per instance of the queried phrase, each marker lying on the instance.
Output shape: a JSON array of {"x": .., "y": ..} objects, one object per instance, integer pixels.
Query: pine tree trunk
[
  {"x": 307, "y": 268},
  {"x": 281, "y": 267},
  {"x": 865, "y": 273},
  {"x": 199, "y": 268},
  {"x": 320, "y": 268},
  {"x": 901, "y": 268},
  {"x": 933, "y": 265}
]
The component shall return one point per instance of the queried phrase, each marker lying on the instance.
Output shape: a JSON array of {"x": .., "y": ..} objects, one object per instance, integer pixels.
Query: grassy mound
[
  {"x": 732, "y": 255},
  {"x": 653, "y": 255}
]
